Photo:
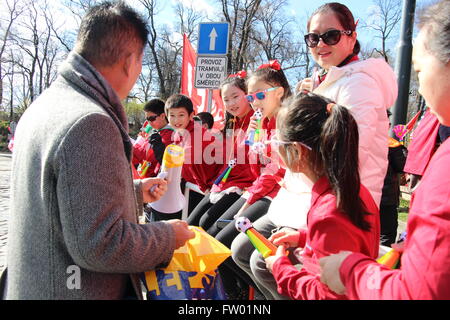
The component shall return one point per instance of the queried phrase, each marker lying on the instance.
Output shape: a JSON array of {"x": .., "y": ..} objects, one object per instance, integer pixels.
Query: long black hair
[{"x": 332, "y": 134}]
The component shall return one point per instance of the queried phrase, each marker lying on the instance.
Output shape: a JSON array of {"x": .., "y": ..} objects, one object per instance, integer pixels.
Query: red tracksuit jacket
[
  {"x": 241, "y": 175},
  {"x": 329, "y": 231},
  {"x": 424, "y": 271},
  {"x": 269, "y": 175},
  {"x": 423, "y": 144},
  {"x": 200, "y": 166}
]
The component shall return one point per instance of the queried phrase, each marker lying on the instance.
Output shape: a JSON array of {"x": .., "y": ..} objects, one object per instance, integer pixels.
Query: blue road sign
[{"x": 213, "y": 38}]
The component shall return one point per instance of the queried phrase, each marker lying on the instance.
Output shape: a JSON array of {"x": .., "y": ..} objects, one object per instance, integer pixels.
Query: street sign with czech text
[{"x": 210, "y": 71}]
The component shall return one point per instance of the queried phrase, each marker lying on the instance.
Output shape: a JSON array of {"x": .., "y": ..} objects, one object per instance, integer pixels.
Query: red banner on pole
[{"x": 199, "y": 97}]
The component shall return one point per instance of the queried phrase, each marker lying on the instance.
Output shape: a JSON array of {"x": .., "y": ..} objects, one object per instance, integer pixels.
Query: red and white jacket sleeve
[{"x": 424, "y": 272}]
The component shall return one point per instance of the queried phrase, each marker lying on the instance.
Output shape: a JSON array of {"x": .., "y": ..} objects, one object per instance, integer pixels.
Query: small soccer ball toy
[
  {"x": 258, "y": 114},
  {"x": 243, "y": 224},
  {"x": 232, "y": 163},
  {"x": 258, "y": 147}
]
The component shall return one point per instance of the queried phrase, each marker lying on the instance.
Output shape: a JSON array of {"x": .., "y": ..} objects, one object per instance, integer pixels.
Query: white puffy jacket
[{"x": 367, "y": 88}]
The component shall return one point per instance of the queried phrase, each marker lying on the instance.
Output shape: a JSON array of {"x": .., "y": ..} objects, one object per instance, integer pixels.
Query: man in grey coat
[{"x": 73, "y": 231}]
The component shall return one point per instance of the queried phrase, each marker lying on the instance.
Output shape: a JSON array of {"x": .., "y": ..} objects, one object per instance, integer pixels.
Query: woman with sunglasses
[
  {"x": 424, "y": 271},
  {"x": 366, "y": 87}
]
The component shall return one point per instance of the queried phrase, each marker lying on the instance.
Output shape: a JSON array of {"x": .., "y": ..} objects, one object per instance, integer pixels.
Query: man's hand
[
  {"x": 281, "y": 252},
  {"x": 182, "y": 232},
  {"x": 330, "y": 271},
  {"x": 158, "y": 191}
]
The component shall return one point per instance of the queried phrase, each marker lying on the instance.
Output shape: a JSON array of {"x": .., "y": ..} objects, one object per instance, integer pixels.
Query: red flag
[
  {"x": 199, "y": 97},
  {"x": 413, "y": 121}
]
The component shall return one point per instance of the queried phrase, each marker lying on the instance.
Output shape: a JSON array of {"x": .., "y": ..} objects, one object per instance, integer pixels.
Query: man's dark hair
[
  {"x": 155, "y": 105},
  {"x": 177, "y": 101},
  {"x": 207, "y": 118},
  {"x": 109, "y": 31}
]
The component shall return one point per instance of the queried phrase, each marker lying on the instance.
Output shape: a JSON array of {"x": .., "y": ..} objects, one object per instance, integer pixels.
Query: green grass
[{"x": 403, "y": 210}]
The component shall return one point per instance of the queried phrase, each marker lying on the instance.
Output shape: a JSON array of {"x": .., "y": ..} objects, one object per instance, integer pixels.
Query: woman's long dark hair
[{"x": 332, "y": 135}]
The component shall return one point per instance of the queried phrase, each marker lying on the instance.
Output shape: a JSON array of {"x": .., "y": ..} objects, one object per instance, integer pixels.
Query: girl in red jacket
[
  {"x": 267, "y": 89},
  {"x": 320, "y": 139},
  {"x": 226, "y": 190}
]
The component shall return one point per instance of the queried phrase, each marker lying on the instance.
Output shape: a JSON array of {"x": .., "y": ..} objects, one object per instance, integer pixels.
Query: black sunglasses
[
  {"x": 151, "y": 118},
  {"x": 330, "y": 37}
]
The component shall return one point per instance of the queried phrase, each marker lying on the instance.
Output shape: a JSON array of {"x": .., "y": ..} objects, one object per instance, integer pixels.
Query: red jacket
[
  {"x": 270, "y": 174},
  {"x": 241, "y": 175},
  {"x": 329, "y": 231},
  {"x": 423, "y": 144},
  {"x": 203, "y": 157},
  {"x": 145, "y": 152},
  {"x": 424, "y": 271}
]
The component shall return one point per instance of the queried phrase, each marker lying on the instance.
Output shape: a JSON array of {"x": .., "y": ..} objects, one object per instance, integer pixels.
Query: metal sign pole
[
  {"x": 403, "y": 65},
  {"x": 210, "y": 98}
]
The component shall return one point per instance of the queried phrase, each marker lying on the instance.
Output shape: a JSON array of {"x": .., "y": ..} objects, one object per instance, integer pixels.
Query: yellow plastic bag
[{"x": 191, "y": 274}]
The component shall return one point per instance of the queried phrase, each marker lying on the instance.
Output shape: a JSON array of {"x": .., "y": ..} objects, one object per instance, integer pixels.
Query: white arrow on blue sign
[{"x": 213, "y": 38}]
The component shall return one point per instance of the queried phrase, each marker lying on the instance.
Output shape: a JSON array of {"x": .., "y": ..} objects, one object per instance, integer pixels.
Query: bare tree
[
  {"x": 275, "y": 37},
  {"x": 241, "y": 15},
  {"x": 189, "y": 20},
  {"x": 14, "y": 11},
  {"x": 144, "y": 84},
  {"x": 384, "y": 20},
  {"x": 151, "y": 11},
  {"x": 78, "y": 9}
]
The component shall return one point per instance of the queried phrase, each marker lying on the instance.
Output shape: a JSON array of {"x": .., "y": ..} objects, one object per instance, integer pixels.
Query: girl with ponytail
[{"x": 320, "y": 139}]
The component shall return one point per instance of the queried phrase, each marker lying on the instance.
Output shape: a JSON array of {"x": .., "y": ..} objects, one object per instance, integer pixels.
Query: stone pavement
[{"x": 5, "y": 172}]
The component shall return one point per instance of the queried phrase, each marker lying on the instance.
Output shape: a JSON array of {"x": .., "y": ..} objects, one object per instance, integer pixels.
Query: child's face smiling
[
  {"x": 234, "y": 101},
  {"x": 179, "y": 118},
  {"x": 272, "y": 101}
]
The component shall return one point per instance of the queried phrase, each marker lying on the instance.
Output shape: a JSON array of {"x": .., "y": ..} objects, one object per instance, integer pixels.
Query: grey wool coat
[{"x": 74, "y": 204}]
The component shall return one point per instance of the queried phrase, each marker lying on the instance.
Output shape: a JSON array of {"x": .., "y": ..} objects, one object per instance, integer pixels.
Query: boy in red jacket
[{"x": 201, "y": 165}]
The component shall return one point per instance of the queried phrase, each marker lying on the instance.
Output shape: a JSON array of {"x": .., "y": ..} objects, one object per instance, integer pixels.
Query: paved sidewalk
[{"x": 5, "y": 172}]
